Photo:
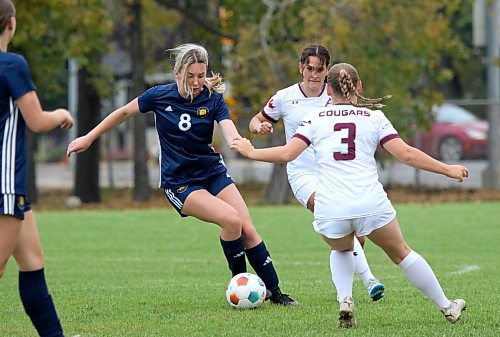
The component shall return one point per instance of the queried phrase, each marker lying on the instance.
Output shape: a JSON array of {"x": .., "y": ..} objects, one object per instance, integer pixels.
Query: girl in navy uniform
[
  {"x": 193, "y": 176},
  {"x": 19, "y": 105}
]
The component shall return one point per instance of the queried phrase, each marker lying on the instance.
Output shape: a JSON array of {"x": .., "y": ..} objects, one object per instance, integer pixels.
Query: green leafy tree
[
  {"x": 50, "y": 32},
  {"x": 403, "y": 48}
]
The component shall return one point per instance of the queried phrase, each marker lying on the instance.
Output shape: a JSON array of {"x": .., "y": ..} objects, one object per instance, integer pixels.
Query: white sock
[
  {"x": 422, "y": 277},
  {"x": 361, "y": 265},
  {"x": 342, "y": 268}
]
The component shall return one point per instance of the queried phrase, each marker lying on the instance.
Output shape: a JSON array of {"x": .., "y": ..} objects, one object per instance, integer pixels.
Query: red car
[{"x": 455, "y": 134}]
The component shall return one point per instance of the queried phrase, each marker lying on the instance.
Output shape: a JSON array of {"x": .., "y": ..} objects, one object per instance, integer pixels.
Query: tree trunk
[
  {"x": 87, "y": 163},
  {"x": 142, "y": 188},
  {"x": 278, "y": 190}
]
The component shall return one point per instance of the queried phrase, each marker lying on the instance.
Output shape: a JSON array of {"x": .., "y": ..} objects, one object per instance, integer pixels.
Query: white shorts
[
  {"x": 303, "y": 186},
  {"x": 336, "y": 229}
]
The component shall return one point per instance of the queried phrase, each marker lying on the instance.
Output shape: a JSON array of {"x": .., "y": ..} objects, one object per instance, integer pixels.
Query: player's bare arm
[
  {"x": 277, "y": 154},
  {"x": 39, "y": 120},
  {"x": 114, "y": 119},
  {"x": 416, "y": 158},
  {"x": 229, "y": 131}
]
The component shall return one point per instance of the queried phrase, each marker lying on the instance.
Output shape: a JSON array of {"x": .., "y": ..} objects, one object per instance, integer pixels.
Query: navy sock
[
  {"x": 261, "y": 262},
  {"x": 38, "y": 303},
  {"x": 235, "y": 255}
]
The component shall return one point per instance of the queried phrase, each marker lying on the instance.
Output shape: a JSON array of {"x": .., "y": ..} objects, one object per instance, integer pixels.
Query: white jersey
[
  {"x": 344, "y": 139},
  {"x": 292, "y": 105}
]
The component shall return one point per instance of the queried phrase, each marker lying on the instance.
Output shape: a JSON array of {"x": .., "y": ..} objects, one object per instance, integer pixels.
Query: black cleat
[{"x": 277, "y": 297}]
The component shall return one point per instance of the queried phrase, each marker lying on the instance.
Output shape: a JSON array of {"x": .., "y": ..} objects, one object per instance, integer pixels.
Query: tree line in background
[{"x": 419, "y": 51}]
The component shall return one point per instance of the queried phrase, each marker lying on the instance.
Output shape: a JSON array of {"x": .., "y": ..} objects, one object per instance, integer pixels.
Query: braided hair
[{"x": 343, "y": 79}]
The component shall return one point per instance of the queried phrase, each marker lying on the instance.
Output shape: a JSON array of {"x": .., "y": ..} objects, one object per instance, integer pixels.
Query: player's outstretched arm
[
  {"x": 277, "y": 154},
  {"x": 115, "y": 118},
  {"x": 415, "y": 158}
]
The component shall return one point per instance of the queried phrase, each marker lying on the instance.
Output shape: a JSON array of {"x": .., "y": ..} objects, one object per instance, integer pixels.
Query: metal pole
[
  {"x": 491, "y": 176},
  {"x": 73, "y": 102}
]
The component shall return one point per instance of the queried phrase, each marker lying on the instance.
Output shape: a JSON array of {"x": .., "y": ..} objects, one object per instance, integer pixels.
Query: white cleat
[
  {"x": 454, "y": 310},
  {"x": 376, "y": 290},
  {"x": 346, "y": 313}
]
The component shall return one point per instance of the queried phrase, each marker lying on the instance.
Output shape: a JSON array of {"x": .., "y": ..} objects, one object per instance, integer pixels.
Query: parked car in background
[{"x": 455, "y": 134}]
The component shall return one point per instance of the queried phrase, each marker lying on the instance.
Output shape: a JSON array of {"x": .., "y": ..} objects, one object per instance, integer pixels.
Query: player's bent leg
[
  {"x": 255, "y": 248},
  {"x": 390, "y": 239},
  {"x": 415, "y": 267},
  {"x": 10, "y": 227},
  {"x": 421, "y": 275},
  {"x": 204, "y": 206},
  {"x": 232, "y": 196}
]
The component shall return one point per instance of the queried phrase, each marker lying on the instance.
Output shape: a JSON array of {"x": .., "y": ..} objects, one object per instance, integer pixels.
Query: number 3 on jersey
[
  {"x": 349, "y": 140},
  {"x": 185, "y": 122}
]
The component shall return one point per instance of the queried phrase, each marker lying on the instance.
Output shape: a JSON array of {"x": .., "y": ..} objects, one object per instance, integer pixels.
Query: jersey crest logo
[
  {"x": 169, "y": 108},
  {"x": 20, "y": 202},
  {"x": 181, "y": 189},
  {"x": 202, "y": 112},
  {"x": 271, "y": 105}
]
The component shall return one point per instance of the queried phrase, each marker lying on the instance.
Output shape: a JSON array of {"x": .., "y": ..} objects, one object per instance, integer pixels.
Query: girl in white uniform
[
  {"x": 344, "y": 138},
  {"x": 292, "y": 104}
]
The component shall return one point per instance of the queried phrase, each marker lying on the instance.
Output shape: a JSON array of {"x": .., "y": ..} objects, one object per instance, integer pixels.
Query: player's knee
[
  {"x": 250, "y": 234},
  {"x": 398, "y": 255},
  {"x": 231, "y": 221}
]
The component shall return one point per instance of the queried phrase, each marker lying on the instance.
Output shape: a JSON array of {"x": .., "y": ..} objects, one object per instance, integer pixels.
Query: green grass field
[{"x": 151, "y": 273}]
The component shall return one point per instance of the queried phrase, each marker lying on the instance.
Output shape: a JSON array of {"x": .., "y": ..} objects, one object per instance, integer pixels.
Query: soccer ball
[{"x": 246, "y": 291}]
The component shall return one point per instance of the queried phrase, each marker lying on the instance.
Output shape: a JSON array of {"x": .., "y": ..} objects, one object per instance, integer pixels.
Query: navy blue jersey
[
  {"x": 15, "y": 81},
  {"x": 185, "y": 129}
]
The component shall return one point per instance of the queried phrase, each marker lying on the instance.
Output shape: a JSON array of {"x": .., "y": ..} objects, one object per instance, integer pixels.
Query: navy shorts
[
  {"x": 14, "y": 204},
  {"x": 215, "y": 184}
]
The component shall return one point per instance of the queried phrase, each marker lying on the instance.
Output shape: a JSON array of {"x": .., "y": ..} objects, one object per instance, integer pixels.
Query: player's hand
[
  {"x": 78, "y": 145},
  {"x": 67, "y": 120},
  {"x": 265, "y": 128},
  {"x": 243, "y": 146},
  {"x": 458, "y": 172}
]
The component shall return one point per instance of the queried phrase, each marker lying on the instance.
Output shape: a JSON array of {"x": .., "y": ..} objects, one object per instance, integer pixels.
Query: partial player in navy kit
[
  {"x": 20, "y": 106},
  {"x": 192, "y": 175}
]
